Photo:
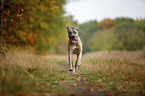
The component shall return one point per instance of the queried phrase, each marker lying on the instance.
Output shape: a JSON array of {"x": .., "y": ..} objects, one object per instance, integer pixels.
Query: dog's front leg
[
  {"x": 78, "y": 62},
  {"x": 70, "y": 57}
]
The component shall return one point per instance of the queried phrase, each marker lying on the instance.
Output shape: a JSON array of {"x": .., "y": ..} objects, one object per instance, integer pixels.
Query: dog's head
[{"x": 73, "y": 34}]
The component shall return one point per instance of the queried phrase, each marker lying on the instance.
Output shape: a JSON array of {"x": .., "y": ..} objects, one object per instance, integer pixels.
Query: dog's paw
[
  {"x": 70, "y": 69},
  {"x": 76, "y": 66}
]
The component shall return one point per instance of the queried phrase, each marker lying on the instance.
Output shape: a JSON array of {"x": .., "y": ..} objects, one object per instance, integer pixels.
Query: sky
[{"x": 86, "y": 10}]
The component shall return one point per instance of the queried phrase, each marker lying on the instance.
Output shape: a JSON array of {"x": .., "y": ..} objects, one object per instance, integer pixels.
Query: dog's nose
[{"x": 72, "y": 37}]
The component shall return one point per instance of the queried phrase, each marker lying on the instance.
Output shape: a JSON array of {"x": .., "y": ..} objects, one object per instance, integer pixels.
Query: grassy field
[
  {"x": 118, "y": 72},
  {"x": 114, "y": 73}
]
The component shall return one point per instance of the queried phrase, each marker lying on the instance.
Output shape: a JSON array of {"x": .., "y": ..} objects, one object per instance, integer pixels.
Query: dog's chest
[{"x": 75, "y": 49}]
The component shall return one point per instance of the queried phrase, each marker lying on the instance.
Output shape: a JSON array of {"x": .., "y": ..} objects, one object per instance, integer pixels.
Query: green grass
[{"x": 119, "y": 72}]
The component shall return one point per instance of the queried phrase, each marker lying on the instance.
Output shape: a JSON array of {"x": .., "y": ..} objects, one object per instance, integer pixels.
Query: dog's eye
[
  {"x": 69, "y": 31},
  {"x": 75, "y": 32}
]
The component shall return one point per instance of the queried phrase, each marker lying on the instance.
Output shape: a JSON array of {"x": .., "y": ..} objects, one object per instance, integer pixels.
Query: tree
[
  {"x": 106, "y": 23},
  {"x": 1, "y": 26},
  {"x": 42, "y": 25},
  {"x": 86, "y": 30},
  {"x": 8, "y": 19},
  {"x": 129, "y": 36}
]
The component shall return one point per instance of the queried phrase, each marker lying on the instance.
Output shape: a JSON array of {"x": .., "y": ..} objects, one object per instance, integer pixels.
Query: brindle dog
[{"x": 74, "y": 47}]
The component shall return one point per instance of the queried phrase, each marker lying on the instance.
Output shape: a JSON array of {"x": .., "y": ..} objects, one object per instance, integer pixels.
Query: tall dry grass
[
  {"x": 120, "y": 69},
  {"x": 24, "y": 60},
  {"x": 23, "y": 72},
  {"x": 121, "y": 72}
]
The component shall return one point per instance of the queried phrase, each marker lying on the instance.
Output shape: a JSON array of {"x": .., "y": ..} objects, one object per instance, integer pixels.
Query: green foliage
[
  {"x": 117, "y": 34},
  {"x": 86, "y": 30},
  {"x": 123, "y": 19},
  {"x": 129, "y": 37},
  {"x": 102, "y": 40}
]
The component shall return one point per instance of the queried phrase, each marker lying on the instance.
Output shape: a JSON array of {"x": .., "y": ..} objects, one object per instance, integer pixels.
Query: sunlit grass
[
  {"x": 25, "y": 73},
  {"x": 120, "y": 72}
]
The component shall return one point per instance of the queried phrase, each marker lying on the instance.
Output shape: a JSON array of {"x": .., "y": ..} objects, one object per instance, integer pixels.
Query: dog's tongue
[{"x": 73, "y": 41}]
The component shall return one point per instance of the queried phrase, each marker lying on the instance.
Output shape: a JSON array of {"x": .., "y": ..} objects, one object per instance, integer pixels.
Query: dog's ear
[
  {"x": 68, "y": 29},
  {"x": 76, "y": 28}
]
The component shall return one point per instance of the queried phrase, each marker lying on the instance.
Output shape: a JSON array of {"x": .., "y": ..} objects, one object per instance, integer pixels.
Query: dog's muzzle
[{"x": 73, "y": 39}]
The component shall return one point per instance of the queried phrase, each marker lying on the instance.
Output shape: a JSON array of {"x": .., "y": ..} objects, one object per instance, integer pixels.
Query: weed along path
[{"x": 80, "y": 85}]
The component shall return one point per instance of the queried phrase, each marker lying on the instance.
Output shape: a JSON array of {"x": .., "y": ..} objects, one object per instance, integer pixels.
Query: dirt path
[{"x": 80, "y": 85}]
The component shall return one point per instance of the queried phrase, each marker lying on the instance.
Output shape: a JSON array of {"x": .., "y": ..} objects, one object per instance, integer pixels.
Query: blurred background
[{"x": 40, "y": 25}]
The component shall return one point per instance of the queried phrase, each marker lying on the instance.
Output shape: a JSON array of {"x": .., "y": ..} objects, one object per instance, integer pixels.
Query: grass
[
  {"x": 120, "y": 72},
  {"x": 25, "y": 74}
]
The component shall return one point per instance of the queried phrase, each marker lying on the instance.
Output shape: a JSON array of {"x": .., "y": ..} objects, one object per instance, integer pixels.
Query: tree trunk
[{"x": 1, "y": 27}]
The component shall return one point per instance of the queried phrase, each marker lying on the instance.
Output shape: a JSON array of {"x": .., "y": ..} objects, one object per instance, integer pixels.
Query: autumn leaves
[{"x": 38, "y": 25}]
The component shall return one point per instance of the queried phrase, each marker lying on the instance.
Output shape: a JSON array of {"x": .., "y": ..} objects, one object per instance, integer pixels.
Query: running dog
[{"x": 74, "y": 47}]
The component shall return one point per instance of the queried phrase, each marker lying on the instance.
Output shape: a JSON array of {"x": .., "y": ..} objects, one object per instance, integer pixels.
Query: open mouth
[{"x": 74, "y": 40}]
